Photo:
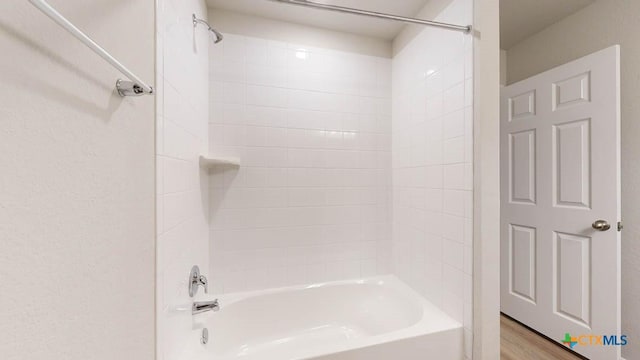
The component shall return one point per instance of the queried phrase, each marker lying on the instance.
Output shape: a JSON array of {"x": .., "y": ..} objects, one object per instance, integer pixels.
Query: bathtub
[{"x": 377, "y": 318}]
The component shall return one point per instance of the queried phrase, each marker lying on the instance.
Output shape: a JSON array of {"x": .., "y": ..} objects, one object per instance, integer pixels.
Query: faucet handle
[
  {"x": 196, "y": 280},
  {"x": 204, "y": 282}
]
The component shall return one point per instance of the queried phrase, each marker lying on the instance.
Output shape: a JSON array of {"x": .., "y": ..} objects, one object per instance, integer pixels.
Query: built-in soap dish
[{"x": 208, "y": 162}]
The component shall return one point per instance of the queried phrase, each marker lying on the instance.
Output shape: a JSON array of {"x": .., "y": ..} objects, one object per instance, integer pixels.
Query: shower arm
[{"x": 219, "y": 36}]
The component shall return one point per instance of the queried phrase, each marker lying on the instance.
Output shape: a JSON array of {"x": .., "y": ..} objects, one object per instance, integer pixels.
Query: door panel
[
  {"x": 522, "y": 106},
  {"x": 572, "y": 274},
  {"x": 522, "y": 160},
  {"x": 523, "y": 265},
  {"x": 571, "y": 164},
  {"x": 571, "y": 91},
  {"x": 560, "y": 172}
]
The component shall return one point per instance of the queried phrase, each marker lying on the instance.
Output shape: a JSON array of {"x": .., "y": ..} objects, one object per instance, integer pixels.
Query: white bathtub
[{"x": 372, "y": 319}]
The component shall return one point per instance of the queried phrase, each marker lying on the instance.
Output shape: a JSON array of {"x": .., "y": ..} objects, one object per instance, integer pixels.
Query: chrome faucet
[
  {"x": 204, "y": 306},
  {"x": 196, "y": 280}
]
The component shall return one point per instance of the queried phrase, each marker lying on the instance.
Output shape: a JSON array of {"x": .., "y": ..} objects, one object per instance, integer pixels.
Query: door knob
[{"x": 601, "y": 225}]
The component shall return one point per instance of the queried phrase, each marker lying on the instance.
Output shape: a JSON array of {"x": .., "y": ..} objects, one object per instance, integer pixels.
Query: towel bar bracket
[{"x": 129, "y": 88}]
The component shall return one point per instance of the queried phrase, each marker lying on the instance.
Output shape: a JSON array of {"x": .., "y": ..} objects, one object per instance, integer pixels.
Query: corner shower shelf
[{"x": 213, "y": 161}]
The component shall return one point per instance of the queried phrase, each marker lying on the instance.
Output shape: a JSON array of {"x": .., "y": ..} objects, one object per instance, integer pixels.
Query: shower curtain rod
[
  {"x": 135, "y": 87},
  {"x": 347, "y": 10}
]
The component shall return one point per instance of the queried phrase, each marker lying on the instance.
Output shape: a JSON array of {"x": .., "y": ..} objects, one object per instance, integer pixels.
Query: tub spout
[{"x": 204, "y": 306}]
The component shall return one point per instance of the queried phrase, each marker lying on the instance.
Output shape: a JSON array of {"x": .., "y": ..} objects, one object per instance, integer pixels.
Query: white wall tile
[
  {"x": 313, "y": 138},
  {"x": 432, "y": 154},
  {"x": 453, "y": 98},
  {"x": 453, "y": 125},
  {"x": 454, "y": 176},
  {"x": 454, "y": 202},
  {"x": 183, "y": 204},
  {"x": 453, "y": 151}
]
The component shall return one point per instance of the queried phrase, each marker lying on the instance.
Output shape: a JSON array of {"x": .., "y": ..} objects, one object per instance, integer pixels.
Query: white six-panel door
[{"x": 560, "y": 172}]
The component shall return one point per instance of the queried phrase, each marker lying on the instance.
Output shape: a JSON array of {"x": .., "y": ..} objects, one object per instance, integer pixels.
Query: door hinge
[{"x": 620, "y": 226}]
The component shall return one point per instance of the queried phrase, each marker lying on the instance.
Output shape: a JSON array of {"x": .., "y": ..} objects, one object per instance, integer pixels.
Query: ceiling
[
  {"x": 362, "y": 25},
  {"x": 520, "y": 19}
]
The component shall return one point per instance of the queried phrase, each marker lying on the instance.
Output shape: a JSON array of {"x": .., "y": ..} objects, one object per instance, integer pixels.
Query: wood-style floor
[{"x": 517, "y": 342}]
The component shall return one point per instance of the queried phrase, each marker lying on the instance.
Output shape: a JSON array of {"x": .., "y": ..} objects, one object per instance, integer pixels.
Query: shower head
[{"x": 218, "y": 35}]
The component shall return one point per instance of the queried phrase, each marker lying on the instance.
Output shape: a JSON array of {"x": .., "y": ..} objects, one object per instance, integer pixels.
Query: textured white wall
[
  {"x": 76, "y": 185},
  {"x": 182, "y": 188},
  {"x": 605, "y": 23},
  {"x": 432, "y": 156},
  {"x": 310, "y": 202}
]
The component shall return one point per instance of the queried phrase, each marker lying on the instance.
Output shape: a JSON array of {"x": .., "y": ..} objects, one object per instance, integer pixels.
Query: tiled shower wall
[
  {"x": 182, "y": 92},
  {"x": 310, "y": 201},
  {"x": 432, "y": 165}
]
